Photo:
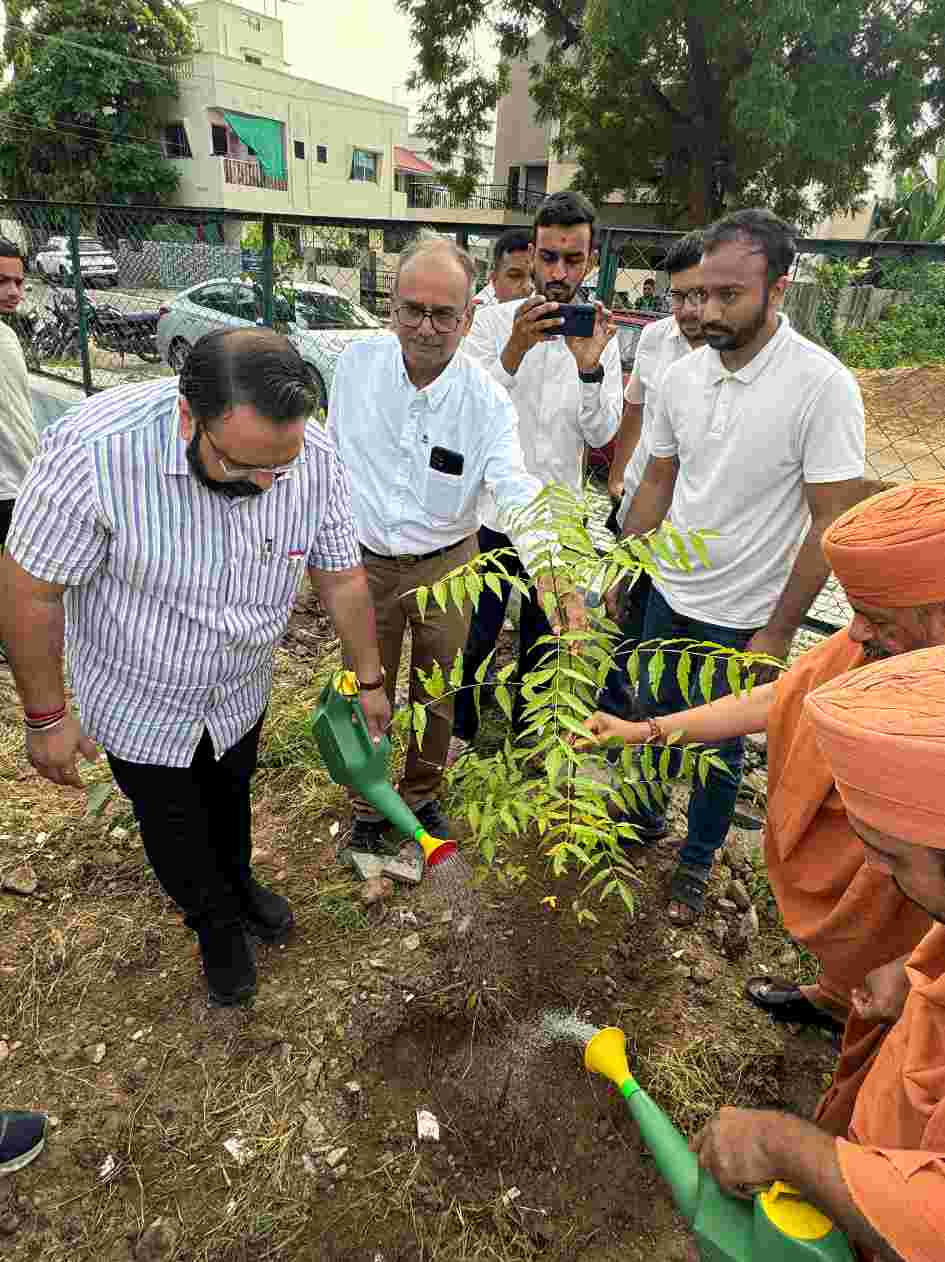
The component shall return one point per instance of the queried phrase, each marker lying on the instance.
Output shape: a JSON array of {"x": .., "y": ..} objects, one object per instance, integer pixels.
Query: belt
[{"x": 415, "y": 557}]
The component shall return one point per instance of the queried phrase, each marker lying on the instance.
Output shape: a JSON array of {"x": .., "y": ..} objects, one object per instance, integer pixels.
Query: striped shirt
[{"x": 176, "y": 595}]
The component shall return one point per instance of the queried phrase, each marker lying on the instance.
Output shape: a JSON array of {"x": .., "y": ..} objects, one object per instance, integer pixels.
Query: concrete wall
[{"x": 519, "y": 138}]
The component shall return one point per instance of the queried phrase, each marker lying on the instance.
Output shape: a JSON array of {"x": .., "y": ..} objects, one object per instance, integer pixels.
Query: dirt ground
[{"x": 289, "y": 1130}]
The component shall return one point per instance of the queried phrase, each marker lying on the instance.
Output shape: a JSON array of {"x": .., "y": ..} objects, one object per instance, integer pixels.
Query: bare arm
[
  {"x": 720, "y": 720},
  {"x": 347, "y": 598},
  {"x": 748, "y": 1147},
  {"x": 32, "y": 629},
  {"x": 654, "y": 496},
  {"x": 631, "y": 425}
]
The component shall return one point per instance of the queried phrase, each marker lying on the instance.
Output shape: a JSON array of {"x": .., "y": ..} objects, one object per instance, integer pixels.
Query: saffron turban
[
  {"x": 889, "y": 550},
  {"x": 881, "y": 729}
]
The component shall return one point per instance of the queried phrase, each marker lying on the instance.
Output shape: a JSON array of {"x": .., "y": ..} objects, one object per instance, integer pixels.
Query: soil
[{"x": 225, "y": 1127}]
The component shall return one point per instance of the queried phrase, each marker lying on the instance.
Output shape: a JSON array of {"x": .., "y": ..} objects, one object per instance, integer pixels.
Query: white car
[
  {"x": 95, "y": 262},
  {"x": 319, "y": 321}
]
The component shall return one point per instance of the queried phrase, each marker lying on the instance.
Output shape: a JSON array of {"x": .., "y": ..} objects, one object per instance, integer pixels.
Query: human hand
[
  {"x": 588, "y": 350},
  {"x": 883, "y": 994},
  {"x": 53, "y": 752},
  {"x": 732, "y": 1148},
  {"x": 566, "y": 610},
  {"x": 615, "y": 488},
  {"x": 602, "y": 728},
  {"x": 614, "y": 596},
  {"x": 534, "y": 320},
  {"x": 376, "y": 710},
  {"x": 771, "y": 644}
]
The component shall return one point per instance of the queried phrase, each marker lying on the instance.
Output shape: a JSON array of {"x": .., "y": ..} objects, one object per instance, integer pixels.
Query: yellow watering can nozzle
[
  {"x": 435, "y": 849},
  {"x": 606, "y": 1054},
  {"x": 792, "y": 1215}
]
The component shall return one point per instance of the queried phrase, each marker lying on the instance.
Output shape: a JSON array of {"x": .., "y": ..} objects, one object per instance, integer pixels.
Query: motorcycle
[{"x": 110, "y": 328}]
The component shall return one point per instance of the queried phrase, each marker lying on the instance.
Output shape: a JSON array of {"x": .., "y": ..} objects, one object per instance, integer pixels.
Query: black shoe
[
  {"x": 368, "y": 835},
  {"x": 22, "y": 1136},
  {"x": 228, "y": 961},
  {"x": 784, "y": 1001},
  {"x": 433, "y": 820},
  {"x": 265, "y": 913}
]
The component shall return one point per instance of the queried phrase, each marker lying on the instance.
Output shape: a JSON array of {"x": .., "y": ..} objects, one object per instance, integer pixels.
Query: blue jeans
[
  {"x": 484, "y": 632},
  {"x": 711, "y": 805},
  {"x": 618, "y": 696}
]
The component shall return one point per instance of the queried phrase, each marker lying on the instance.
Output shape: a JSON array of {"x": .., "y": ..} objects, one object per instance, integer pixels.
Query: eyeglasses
[
  {"x": 680, "y": 297},
  {"x": 236, "y": 472},
  {"x": 443, "y": 319}
]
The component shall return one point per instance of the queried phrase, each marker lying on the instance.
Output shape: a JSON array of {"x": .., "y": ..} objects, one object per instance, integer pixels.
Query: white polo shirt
[
  {"x": 747, "y": 442},
  {"x": 661, "y": 344}
]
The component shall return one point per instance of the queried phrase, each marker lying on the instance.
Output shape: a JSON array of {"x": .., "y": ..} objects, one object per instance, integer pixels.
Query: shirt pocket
[
  {"x": 268, "y": 582},
  {"x": 443, "y": 496}
]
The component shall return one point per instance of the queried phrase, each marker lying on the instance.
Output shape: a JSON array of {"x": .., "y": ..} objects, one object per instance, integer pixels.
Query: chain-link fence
[{"x": 120, "y": 294}]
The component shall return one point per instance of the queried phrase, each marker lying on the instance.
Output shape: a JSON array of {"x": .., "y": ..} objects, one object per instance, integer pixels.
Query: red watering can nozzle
[{"x": 435, "y": 850}]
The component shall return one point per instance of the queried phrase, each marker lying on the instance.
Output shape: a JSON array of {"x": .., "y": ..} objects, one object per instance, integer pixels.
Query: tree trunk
[{"x": 705, "y": 148}]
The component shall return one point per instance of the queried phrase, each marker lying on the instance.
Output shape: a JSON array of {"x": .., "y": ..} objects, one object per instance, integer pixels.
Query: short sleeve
[
  {"x": 660, "y": 433},
  {"x": 833, "y": 438},
  {"x": 634, "y": 391},
  {"x": 336, "y": 546},
  {"x": 59, "y": 534}
]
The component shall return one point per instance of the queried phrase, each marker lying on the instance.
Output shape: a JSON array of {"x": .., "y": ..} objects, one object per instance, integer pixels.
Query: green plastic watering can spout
[{"x": 778, "y": 1226}]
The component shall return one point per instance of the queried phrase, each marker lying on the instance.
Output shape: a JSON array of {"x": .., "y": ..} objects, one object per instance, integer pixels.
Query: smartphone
[
  {"x": 446, "y": 461},
  {"x": 579, "y": 319}
]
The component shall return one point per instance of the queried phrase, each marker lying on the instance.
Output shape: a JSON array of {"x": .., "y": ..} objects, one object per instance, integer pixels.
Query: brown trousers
[{"x": 437, "y": 637}]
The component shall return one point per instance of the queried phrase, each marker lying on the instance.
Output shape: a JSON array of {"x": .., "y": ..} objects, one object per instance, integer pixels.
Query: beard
[
  {"x": 229, "y": 490},
  {"x": 722, "y": 337},
  {"x": 875, "y": 652},
  {"x": 556, "y": 290}
]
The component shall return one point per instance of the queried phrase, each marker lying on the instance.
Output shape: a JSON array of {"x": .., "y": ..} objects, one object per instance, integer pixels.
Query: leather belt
[{"x": 414, "y": 557}]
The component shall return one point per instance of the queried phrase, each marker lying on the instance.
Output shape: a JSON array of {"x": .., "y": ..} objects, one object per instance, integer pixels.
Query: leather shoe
[
  {"x": 785, "y": 1001},
  {"x": 228, "y": 961},
  {"x": 265, "y": 913}
]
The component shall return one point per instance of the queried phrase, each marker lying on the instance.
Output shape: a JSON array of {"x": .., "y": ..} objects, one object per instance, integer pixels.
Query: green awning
[{"x": 264, "y": 137}]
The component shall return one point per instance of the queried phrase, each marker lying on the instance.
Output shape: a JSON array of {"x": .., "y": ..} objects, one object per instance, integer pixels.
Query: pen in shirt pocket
[{"x": 296, "y": 554}]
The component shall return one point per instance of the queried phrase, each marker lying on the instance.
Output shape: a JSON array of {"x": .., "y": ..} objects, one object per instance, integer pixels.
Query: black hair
[
  {"x": 770, "y": 236},
  {"x": 10, "y": 250},
  {"x": 512, "y": 242},
  {"x": 255, "y": 366},
  {"x": 686, "y": 252},
  {"x": 566, "y": 209},
  {"x": 649, "y": 281}
]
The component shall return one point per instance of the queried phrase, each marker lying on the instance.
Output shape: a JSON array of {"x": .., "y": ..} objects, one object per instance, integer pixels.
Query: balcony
[
  {"x": 248, "y": 173},
  {"x": 485, "y": 197}
]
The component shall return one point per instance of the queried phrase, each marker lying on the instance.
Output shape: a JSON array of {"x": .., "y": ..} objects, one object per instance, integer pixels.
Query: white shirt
[
  {"x": 176, "y": 596},
  {"x": 18, "y": 438},
  {"x": 486, "y": 296},
  {"x": 386, "y": 429},
  {"x": 557, "y": 413},
  {"x": 661, "y": 344},
  {"x": 747, "y": 442}
]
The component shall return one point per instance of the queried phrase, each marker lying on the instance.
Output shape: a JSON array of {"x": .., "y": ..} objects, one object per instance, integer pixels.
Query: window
[
  {"x": 218, "y": 138},
  {"x": 252, "y": 59},
  {"x": 299, "y": 146},
  {"x": 176, "y": 144},
  {"x": 321, "y": 153},
  {"x": 218, "y": 296},
  {"x": 254, "y": 24},
  {"x": 364, "y": 166}
]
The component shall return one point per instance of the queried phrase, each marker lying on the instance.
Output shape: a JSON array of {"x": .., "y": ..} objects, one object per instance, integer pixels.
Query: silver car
[
  {"x": 96, "y": 264},
  {"x": 318, "y": 320}
]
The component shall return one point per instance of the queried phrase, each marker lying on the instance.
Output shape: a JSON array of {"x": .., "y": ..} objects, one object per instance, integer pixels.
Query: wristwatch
[
  {"x": 374, "y": 684},
  {"x": 593, "y": 378}
]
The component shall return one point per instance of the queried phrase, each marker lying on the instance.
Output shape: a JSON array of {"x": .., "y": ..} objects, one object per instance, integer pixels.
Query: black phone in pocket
[
  {"x": 446, "y": 461},
  {"x": 579, "y": 319}
]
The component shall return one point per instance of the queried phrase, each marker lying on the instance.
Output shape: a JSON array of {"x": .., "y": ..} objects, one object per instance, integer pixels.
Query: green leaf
[
  {"x": 458, "y": 592},
  {"x": 482, "y": 668},
  {"x": 456, "y": 674},
  {"x": 487, "y": 849},
  {"x": 504, "y": 699},
  {"x": 655, "y": 670},
  {"x": 493, "y": 582},
  {"x": 423, "y": 597},
  {"x": 734, "y": 676},
  {"x": 419, "y": 722},
  {"x": 683, "y": 672},
  {"x": 553, "y": 764},
  {"x": 440, "y": 595},
  {"x": 706, "y": 677}
]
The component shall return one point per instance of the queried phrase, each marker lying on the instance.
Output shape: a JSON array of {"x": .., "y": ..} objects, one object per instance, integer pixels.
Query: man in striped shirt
[{"x": 162, "y": 534}]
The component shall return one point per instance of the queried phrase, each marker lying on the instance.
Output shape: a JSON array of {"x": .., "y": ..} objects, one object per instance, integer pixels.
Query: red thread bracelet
[{"x": 49, "y": 714}]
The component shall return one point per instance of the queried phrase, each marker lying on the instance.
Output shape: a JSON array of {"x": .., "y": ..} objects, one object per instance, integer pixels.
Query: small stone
[
  {"x": 368, "y": 866},
  {"x": 353, "y": 1088},
  {"x": 404, "y": 867},
  {"x": 335, "y": 1157},
  {"x": 748, "y": 925},
  {"x": 313, "y": 1073},
  {"x": 158, "y": 1242},
  {"x": 21, "y": 880},
  {"x": 726, "y": 905},
  {"x": 95, "y": 1053},
  {"x": 739, "y": 851},
  {"x": 308, "y": 1164},
  {"x": 314, "y": 1132},
  {"x": 141, "y": 1064},
  {"x": 739, "y": 895},
  {"x": 682, "y": 970},
  {"x": 42, "y": 838},
  {"x": 411, "y": 942},
  {"x": 464, "y": 926},
  {"x": 376, "y": 888}
]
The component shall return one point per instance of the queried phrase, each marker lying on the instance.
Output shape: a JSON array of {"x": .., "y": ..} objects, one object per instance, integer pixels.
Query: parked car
[
  {"x": 95, "y": 262},
  {"x": 630, "y": 324},
  {"x": 318, "y": 319}
]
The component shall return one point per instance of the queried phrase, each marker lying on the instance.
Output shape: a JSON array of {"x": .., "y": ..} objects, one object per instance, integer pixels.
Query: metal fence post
[
  {"x": 268, "y": 236},
  {"x": 607, "y": 269},
  {"x": 75, "y": 225}
]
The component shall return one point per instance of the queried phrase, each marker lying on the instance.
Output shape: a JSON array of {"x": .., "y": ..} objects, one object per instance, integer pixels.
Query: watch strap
[
  {"x": 373, "y": 684},
  {"x": 592, "y": 378}
]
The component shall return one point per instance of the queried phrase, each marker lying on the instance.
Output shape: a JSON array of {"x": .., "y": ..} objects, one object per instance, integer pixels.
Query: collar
[
  {"x": 175, "y": 450},
  {"x": 755, "y": 367},
  {"x": 436, "y": 392}
]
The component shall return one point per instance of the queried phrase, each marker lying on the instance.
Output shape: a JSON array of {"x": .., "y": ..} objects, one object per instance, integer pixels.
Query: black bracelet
[{"x": 593, "y": 378}]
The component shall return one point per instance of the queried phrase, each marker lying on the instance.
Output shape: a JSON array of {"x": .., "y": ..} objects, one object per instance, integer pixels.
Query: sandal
[{"x": 688, "y": 887}]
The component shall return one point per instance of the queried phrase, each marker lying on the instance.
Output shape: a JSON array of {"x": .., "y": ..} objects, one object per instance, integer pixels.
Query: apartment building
[{"x": 246, "y": 134}]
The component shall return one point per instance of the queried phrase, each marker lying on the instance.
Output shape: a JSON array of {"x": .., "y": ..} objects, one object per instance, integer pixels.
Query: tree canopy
[
  {"x": 784, "y": 103},
  {"x": 79, "y": 118}
]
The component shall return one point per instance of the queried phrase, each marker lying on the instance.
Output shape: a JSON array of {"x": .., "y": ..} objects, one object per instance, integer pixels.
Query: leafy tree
[
  {"x": 917, "y": 211},
  {"x": 785, "y": 103},
  {"x": 78, "y": 116}
]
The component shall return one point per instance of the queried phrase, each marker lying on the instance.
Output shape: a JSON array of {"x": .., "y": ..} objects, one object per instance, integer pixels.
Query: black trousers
[
  {"x": 6, "y": 517},
  {"x": 196, "y": 825}
]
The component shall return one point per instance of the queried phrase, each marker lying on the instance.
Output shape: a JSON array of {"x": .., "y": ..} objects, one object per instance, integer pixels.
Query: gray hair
[{"x": 435, "y": 243}]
